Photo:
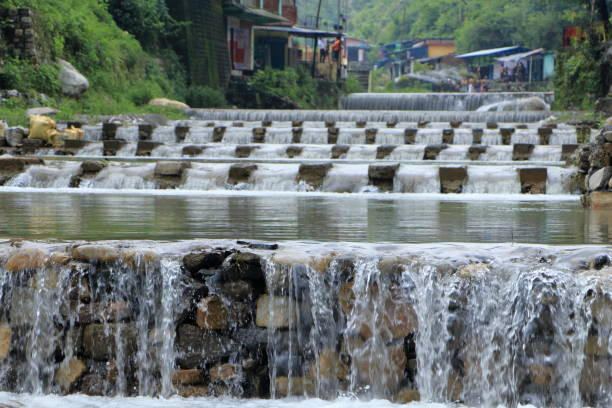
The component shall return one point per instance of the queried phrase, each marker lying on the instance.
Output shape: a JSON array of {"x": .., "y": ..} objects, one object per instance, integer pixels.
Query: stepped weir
[{"x": 431, "y": 258}]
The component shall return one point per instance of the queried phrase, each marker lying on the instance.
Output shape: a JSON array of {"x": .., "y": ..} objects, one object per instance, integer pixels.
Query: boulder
[
  {"x": 69, "y": 372},
  {"x": 599, "y": 179},
  {"x": 524, "y": 104},
  {"x": 96, "y": 253},
  {"x": 224, "y": 372},
  {"x": 72, "y": 82},
  {"x": 313, "y": 174},
  {"x": 26, "y": 259},
  {"x": 448, "y": 136},
  {"x": 197, "y": 260},
  {"x": 600, "y": 200},
  {"x": 294, "y": 151},
  {"x": 238, "y": 290},
  {"x": 410, "y": 136},
  {"x": 14, "y": 136},
  {"x": 45, "y": 111},
  {"x": 211, "y": 314},
  {"x": 6, "y": 336},
  {"x": 99, "y": 340},
  {"x": 169, "y": 103},
  {"x": 103, "y": 312},
  {"x": 475, "y": 151},
  {"x": 243, "y": 266},
  {"x": 432, "y": 151},
  {"x": 406, "y": 396},
  {"x": 274, "y": 312},
  {"x": 295, "y": 386},
  {"x": 145, "y": 147},
  {"x": 197, "y": 346},
  {"x": 187, "y": 377},
  {"x": 192, "y": 150},
  {"x": 244, "y": 151}
]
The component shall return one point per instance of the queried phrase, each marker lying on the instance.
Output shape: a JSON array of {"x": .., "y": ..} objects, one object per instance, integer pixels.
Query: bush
[
  {"x": 205, "y": 97},
  {"x": 26, "y": 77},
  {"x": 577, "y": 78}
]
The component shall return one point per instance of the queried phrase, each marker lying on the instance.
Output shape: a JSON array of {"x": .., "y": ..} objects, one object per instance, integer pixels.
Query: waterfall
[{"x": 434, "y": 101}]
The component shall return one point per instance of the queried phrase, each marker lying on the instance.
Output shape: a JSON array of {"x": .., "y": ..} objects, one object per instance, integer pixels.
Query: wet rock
[
  {"x": 506, "y": 134},
  {"x": 455, "y": 124},
  {"x": 432, "y": 151},
  {"x": 102, "y": 312},
  {"x": 6, "y": 336},
  {"x": 296, "y": 386},
  {"x": 400, "y": 319},
  {"x": 242, "y": 152},
  {"x": 180, "y": 133},
  {"x": 195, "y": 261},
  {"x": 595, "y": 376},
  {"x": 96, "y": 253},
  {"x": 522, "y": 151},
  {"x": 599, "y": 200},
  {"x": 452, "y": 179},
  {"x": 259, "y": 135},
  {"x": 422, "y": 124},
  {"x": 407, "y": 396},
  {"x": 599, "y": 179},
  {"x": 15, "y": 136},
  {"x": 339, "y": 151},
  {"x": 238, "y": 290},
  {"x": 294, "y": 151},
  {"x": 193, "y": 391},
  {"x": 474, "y": 152},
  {"x": 99, "y": 340},
  {"x": 109, "y": 130},
  {"x": 360, "y": 124},
  {"x": 313, "y": 174},
  {"x": 545, "y": 133},
  {"x": 139, "y": 258},
  {"x": 69, "y": 372},
  {"x": 274, "y": 312},
  {"x": 390, "y": 367},
  {"x": 145, "y": 147},
  {"x": 448, "y": 136},
  {"x": 477, "y": 136},
  {"x": 370, "y": 135},
  {"x": 170, "y": 169},
  {"x": 391, "y": 124},
  {"x": 211, "y": 314},
  {"x": 224, "y": 372},
  {"x": 596, "y": 346},
  {"x": 192, "y": 150},
  {"x": 383, "y": 151},
  {"x": 492, "y": 125},
  {"x": 472, "y": 271},
  {"x": 346, "y": 297},
  {"x": 240, "y": 173},
  {"x": 600, "y": 261},
  {"x": 111, "y": 147},
  {"x": 187, "y": 377},
  {"x": 197, "y": 346},
  {"x": 410, "y": 136},
  {"x": 92, "y": 384},
  {"x": 258, "y": 245},
  {"x": 243, "y": 265},
  {"x": 541, "y": 374},
  {"x": 533, "y": 180},
  {"x": 332, "y": 135},
  {"x": 26, "y": 259},
  {"x": 296, "y": 134},
  {"x": 92, "y": 166},
  {"x": 568, "y": 151},
  {"x": 382, "y": 175}
]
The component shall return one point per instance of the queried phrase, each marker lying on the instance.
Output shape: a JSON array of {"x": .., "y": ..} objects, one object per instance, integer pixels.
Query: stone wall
[
  {"x": 19, "y": 33},
  {"x": 253, "y": 319},
  {"x": 595, "y": 160},
  {"x": 205, "y": 50}
]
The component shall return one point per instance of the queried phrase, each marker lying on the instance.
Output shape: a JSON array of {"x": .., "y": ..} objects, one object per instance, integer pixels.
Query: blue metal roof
[{"x": 494, "y": 51}]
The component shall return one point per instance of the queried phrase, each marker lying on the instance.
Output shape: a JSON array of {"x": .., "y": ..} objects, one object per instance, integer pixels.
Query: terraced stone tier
[
  {"x": 296, "y": 176},
  {"x": 266, "y": 320}
]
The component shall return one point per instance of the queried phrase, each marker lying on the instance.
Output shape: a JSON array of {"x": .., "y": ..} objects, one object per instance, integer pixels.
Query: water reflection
[{"x": 67, "y": 216}]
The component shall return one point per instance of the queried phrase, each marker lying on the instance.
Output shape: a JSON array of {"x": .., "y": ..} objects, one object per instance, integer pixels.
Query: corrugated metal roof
[
  {"x": 299, "y": 31},
  {"x": 493, "y": 51},
  {"x": 521, "y": 55}
]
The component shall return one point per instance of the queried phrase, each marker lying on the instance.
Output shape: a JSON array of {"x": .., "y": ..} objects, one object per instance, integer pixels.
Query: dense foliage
[{"x": 476, "y": 24}]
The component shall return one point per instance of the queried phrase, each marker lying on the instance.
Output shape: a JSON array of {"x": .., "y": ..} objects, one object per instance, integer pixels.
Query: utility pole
[{"x": 316, "y": 41}]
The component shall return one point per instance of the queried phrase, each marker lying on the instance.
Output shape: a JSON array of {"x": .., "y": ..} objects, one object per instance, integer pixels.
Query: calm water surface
[{"x": 322, "y": 218}]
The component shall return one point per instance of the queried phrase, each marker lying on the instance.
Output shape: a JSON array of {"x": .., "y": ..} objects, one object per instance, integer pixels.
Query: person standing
[
  {"x": 322, "y": 44},
  {"x": 336, "y": 48}
]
